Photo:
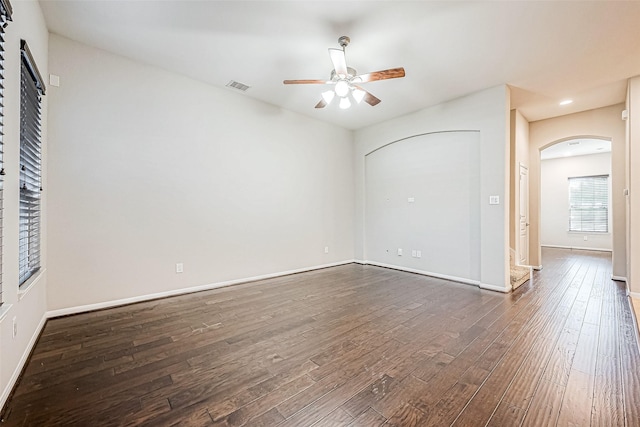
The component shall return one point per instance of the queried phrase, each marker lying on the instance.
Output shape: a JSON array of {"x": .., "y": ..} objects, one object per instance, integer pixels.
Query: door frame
[{"x": 523, "y": 198}]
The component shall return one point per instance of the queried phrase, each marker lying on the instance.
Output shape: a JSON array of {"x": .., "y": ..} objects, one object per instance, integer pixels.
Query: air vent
[
  {"x": 574, "y": 143},
  {"x": 237, "y": 85}
]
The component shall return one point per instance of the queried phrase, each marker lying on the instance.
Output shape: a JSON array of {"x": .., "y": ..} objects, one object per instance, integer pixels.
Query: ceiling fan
[{"x": 346, "y": 81}]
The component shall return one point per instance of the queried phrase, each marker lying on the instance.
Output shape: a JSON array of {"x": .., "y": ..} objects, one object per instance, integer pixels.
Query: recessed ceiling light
[{"x": 566, "y": 102}]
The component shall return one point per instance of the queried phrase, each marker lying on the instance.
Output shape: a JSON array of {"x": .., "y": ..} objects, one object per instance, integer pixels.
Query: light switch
[
  {"x": 54, "y": 80},
  {"x": 411, "y": 199}
]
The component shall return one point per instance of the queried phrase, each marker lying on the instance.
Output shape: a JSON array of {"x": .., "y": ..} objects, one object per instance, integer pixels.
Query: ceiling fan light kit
[
  {"x": 346, "y": 79},
  {"x": 342, "y": 88}
]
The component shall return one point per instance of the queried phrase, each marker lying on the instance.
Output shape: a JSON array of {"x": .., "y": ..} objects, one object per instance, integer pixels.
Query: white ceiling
[
  {"x": 546, "y": 51},
  {"x": 576, "y": 147}
]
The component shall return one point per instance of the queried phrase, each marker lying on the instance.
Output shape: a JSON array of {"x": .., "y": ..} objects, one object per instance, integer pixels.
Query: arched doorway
[{"x": 575, "y": 194}]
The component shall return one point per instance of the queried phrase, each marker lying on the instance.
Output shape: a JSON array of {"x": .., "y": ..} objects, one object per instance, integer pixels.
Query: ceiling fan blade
[
  {"x": 339, "y": 62},
  {"x": 305, "y": 82},
  {"x": 321, "y": 104},
  {"x": 369, "y": 98},
  {"x": 392, "y": 73}
]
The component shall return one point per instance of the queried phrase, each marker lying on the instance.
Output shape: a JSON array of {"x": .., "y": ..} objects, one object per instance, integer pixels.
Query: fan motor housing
[{"x": 350, "y": 71}]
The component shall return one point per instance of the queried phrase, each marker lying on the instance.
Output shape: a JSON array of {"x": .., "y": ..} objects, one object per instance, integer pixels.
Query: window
[
  {"x": 5, "y": 17},
  {"x": 31, "y": 91},
  {"x": 589, "y": 204}
]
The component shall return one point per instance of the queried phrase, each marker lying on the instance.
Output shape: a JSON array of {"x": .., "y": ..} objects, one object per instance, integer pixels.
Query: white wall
[
  {"x": 554, "y": 201},
  {"x": 27, "y": 306},
  {"x": 632, "y": 166},
  {"x": 423, "y": 194},
  {"x": 486, "y": 112},
  {"x": 604, "y": 123},
  {"x": 152, "y": 168}
]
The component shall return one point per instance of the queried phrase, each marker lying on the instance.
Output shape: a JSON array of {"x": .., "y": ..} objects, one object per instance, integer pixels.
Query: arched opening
[
  {"x": 575, "y": 194},
  {"x": 422, "y": 205}
]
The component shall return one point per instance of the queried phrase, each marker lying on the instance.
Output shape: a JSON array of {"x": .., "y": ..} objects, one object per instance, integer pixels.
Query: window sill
[
  {"x": 589, "y": 233},
  {"x": 4, "y": 309},
  {"x": 30, "y": 283}
]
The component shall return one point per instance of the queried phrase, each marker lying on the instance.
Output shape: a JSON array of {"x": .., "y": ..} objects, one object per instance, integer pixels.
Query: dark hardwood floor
[{"x": 351, "y": 345}]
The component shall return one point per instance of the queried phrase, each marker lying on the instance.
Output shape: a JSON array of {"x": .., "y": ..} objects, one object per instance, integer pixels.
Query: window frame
[
  {"x": 32, "y": 90},
  {"x": 585, "y": 215},
  {"x": 5, "y": 16}
]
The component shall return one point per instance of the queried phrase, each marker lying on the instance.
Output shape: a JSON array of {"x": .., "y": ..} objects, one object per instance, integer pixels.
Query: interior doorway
[
  {"x": 575, "y": 194},
  {"x": 523, "y": 247}
]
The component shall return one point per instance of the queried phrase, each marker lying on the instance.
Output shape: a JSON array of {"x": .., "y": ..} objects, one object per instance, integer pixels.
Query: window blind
[
  {"x": 589, "y": 204},
  {"x": 5, "y": 17},
  {"x": 31, "y": 91}
]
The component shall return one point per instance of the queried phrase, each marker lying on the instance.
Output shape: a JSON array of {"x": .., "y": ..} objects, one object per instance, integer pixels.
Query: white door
[{"x": 524, "y": 216}]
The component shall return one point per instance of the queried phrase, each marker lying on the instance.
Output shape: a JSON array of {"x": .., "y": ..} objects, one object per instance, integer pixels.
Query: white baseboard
[
  {"x": 537, "y": 267},
  {"x": 496, "y": 288},
  {"x": 360, "y": 261},
  {"x": 182, "y": 291},
  {"x": 18, "y": 370},
  {"x": 577, "y": 248},
  {"x": 108, "y": 304},
  {"x": 425, "y": 273},
  {"x": 618, "y": 278},
  {"x": 441, "y": 276},
  {"x": 634, "y": 317}
]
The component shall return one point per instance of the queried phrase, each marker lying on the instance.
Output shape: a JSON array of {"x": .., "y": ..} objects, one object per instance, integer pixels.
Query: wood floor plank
[
  {"x": 629, "y": 360},
  {"x": 406, "y": 416},
  {"x": 545, "y": 405},
  {"x": 268, "y": 419},
  {"x": 239, "y": 411},
  {"x": 336, "y": 418},
  {"x": 349, "y": 345},
  {"x": 369, "y": 418},
  {"x": 525, "y": 381}
]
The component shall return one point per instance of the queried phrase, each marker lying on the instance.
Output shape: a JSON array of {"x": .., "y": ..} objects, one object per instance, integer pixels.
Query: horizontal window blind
[
  {"x": 589, "y": 204},
  {"x": 31, "y": 90},
  {"x": 5, "y": 17}
]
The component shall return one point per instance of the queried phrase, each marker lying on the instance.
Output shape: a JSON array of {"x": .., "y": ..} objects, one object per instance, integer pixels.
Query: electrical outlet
[
  {"x": 399, "y": 252},
  {"x": 15, "y": 326},
  {"x": 326, "y": 249},
  {"x": 586, "y": 238},
  {"x": 179, "y": 267},
  {"x": 413, "y": 253},
  {"x": 418, "y": 254}
]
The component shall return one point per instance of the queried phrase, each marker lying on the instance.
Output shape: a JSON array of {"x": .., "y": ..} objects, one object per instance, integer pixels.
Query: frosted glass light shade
[
  {"x": 345, "y": 103},
  {"x": 328, "y": 96}
]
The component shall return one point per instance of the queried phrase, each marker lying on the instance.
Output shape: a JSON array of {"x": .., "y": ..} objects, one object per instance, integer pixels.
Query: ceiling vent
[{"x": 237, "y": 85}]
